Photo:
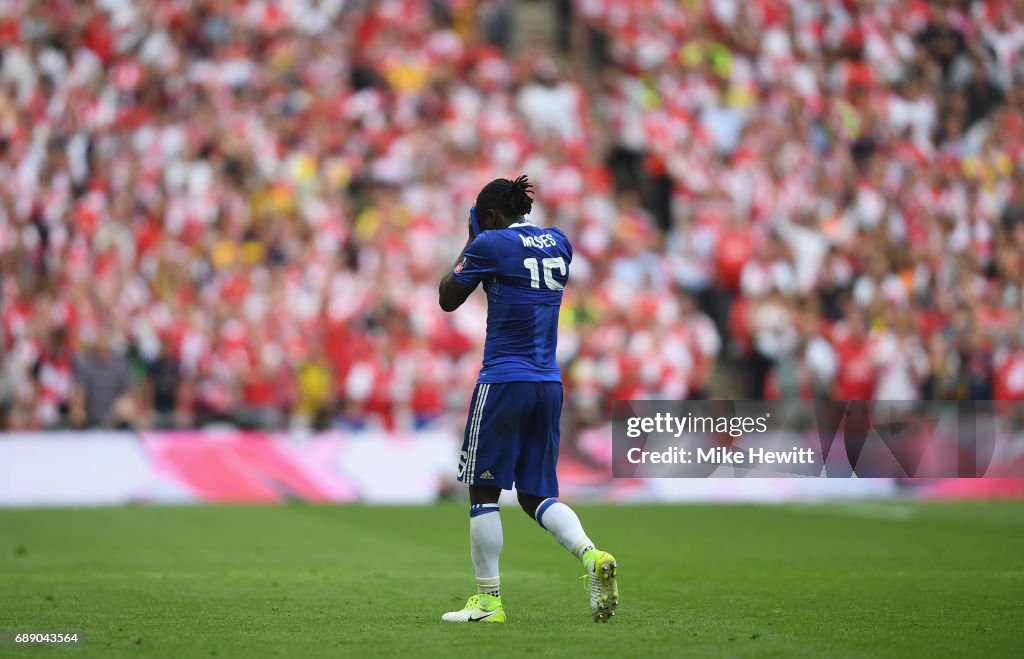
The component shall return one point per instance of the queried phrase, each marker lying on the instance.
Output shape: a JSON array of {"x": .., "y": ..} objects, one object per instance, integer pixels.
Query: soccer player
[{"x": 512, "y": 433}]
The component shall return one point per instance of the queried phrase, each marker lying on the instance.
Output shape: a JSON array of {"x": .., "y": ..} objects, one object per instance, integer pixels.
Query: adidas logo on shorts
[{"x": 487, "y": 475}]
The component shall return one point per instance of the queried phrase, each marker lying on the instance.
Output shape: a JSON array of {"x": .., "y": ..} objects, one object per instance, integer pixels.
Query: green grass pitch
[{"x": 832, "y": 580}]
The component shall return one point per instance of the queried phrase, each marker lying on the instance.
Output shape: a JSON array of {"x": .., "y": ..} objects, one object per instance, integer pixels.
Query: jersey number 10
[{"x": 549, "y": 265}]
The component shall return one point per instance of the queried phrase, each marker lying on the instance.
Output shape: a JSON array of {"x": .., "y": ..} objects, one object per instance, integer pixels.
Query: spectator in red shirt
[{"x": 855, "y": 379}]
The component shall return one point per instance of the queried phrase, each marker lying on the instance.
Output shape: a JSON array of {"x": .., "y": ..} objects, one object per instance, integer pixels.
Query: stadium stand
[{"x": 238, "y": 210}]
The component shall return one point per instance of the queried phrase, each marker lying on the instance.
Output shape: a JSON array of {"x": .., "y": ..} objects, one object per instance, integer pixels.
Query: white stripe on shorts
[{"x": 474, "y": 432}]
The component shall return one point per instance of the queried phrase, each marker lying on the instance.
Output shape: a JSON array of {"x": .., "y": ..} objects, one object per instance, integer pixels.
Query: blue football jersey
[{"x": 523, "y": 269}]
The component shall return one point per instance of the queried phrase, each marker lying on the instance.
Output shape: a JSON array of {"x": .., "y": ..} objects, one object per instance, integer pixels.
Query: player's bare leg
[
  {"x": 485, "y": 538},
  {"x": 560, "y": 520}
]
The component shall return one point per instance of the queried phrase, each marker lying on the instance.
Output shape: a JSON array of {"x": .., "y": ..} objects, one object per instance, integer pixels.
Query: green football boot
[{"x": 479, "y": 608}]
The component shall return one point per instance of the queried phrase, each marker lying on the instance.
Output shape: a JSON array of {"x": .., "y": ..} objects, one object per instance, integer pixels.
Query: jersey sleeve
[
  {"x": 479, "y": 262},
  {"x": 565, "y": 241}
]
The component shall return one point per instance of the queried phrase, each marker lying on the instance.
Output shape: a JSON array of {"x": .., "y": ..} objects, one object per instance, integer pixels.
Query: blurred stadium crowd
[{"x": 240, "y": 209}]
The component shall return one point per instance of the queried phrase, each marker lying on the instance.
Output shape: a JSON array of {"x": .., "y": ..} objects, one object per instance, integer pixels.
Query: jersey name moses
[{"x": 539, "y": 242}]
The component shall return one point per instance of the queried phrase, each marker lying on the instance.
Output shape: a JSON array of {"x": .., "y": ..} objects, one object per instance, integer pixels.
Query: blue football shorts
[{"x": 512, "y": 437}]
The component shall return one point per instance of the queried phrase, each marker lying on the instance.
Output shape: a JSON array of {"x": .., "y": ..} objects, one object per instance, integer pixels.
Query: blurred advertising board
[
  {"x": 193, "y": 467},
  {"x": 109, "y": 468}
]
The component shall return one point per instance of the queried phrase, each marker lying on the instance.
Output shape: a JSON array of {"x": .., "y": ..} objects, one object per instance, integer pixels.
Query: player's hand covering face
[{"x": 474, "y": 223}]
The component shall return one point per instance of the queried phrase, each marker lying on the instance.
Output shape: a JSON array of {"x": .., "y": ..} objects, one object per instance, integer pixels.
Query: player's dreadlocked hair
[{"x": 510, "y": 198}]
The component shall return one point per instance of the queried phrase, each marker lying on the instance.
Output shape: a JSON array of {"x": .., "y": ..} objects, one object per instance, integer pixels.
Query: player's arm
[
  {"x": 476, "y": 263},
  {"x": 451, "y": 294}
]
